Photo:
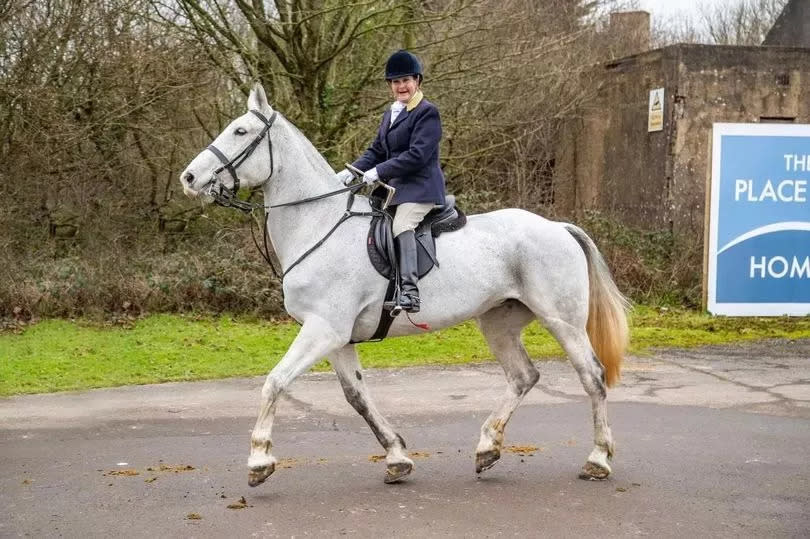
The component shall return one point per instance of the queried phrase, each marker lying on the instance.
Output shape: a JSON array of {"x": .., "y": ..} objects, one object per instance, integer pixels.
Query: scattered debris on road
[
  {"x": 128, "y": 471},
  {"x": 241, "y": 504},
  {"x": 175, "y": 469},
  {"x": 523, "y": 450}
]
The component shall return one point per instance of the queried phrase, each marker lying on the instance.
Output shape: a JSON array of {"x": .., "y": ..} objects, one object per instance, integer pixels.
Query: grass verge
[{"x": 59, "y": 355}]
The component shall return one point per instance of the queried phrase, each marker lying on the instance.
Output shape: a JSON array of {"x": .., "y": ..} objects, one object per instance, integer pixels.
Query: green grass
[{"x": 59, "y": 355}]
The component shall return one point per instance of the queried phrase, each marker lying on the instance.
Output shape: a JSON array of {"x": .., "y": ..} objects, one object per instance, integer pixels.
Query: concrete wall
[
  {"x": 729, "y": 84},
  {"x": 657, "y": 180}
]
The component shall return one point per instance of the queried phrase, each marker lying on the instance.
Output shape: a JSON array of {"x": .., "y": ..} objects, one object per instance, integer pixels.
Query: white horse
[{"x": 504, "y": 268}]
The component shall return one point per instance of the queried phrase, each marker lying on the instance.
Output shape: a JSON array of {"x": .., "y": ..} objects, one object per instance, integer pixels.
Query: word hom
[{"x": 779, "y": 267}]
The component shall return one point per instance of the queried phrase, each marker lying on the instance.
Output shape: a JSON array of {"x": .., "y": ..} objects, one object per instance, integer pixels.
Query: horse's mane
[{"x": 309, "y": 151}]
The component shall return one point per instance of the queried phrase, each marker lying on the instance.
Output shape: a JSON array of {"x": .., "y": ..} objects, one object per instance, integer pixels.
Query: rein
[
  {"x": 345, "y": 217},
  {"x": 227, "y": 197},
  {"x": 266, "y": 251}
]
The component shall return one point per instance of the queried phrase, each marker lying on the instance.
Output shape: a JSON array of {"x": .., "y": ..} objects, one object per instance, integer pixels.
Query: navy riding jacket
[{"x": 406, "y": 154}]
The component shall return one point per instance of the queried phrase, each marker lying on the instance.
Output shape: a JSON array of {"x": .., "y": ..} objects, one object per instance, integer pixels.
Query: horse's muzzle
[{"x": 204, "y": 191}]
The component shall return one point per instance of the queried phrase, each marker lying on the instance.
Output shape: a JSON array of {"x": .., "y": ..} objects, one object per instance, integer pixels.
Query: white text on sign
[
  {"x": 784, "y": 191},
  {"x": 797, "y": 163},
  {"x": 779, "y": 267}
]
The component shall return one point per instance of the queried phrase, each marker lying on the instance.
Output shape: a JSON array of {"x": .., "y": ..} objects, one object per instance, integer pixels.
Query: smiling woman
[{"x": 405, "y": 156}]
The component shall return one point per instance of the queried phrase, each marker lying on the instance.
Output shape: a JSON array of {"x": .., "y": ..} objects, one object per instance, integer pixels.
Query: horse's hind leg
[
  {"x": 502, "y": 327},
  {"x": 576, "y": 344},
  {"x": 348, "y": 369}
]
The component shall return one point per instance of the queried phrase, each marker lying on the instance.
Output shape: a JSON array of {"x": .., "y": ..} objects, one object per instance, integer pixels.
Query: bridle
[
  {"x": 217, "y": 190},
  {"x": 227, "y": 197}
]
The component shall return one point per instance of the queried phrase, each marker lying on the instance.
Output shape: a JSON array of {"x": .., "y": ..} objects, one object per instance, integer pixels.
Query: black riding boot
[{"x": 408, "y": 273}]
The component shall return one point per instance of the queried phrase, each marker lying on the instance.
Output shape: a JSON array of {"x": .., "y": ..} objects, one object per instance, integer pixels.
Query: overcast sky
[{"x": 664, "y": 9}]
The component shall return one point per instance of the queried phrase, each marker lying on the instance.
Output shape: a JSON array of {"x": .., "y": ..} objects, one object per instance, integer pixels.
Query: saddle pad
[
  {"x": 380, "y": 246},
  {"x": 382, "y": 254},
  {"x": 380, "y": 243}
]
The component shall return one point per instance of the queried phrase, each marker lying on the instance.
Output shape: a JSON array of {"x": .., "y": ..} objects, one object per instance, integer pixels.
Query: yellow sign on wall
[{"x": 655, "y": 118}]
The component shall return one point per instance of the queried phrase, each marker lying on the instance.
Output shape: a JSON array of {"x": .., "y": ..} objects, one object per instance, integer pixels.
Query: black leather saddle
[
  {"x": 380, "y": 244},
  {"x": 381, "y": 252}
]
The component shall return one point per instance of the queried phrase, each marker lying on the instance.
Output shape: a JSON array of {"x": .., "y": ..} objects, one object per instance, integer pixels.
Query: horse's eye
[{"x": 240, "y": 131}]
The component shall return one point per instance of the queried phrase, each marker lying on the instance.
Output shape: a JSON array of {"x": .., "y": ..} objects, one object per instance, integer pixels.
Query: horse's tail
[{"x": 607, "y": 309}]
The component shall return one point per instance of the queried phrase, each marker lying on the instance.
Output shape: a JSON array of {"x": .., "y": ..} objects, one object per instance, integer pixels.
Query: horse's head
[{"x": 241, "y": 156}]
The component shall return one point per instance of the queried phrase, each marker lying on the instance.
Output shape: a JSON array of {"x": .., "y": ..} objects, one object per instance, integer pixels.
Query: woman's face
[{"x": 403, "y": 88}]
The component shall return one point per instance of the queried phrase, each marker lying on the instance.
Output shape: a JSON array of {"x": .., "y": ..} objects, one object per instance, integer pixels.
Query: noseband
[{"x": 216, "y": 189}]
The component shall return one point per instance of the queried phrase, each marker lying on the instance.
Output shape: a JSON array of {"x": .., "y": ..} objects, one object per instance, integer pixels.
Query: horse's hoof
[
  {"x": 257, "y": 476},
  {"x": 486, "y": 460},
  {"x": 594, "y": 472},
  {"x": 397, "y": 471}
]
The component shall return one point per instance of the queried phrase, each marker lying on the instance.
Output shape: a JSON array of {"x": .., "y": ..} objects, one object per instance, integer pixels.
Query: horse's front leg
[
  {"x": 316, "y": 339},
  {"x": 348, "y": 369}
]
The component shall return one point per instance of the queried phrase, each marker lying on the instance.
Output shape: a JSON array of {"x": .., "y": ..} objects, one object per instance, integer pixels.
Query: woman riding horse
[
  {"x": 544, "y": 270},
  {"x": 405, "y": 155}
]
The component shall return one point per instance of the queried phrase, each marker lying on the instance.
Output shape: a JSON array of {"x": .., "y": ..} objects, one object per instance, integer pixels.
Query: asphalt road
[{"x": 711, "y": 442}]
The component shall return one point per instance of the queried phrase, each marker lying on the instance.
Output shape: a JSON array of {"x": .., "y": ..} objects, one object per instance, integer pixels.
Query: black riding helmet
[{"x": 401, "y": 64}]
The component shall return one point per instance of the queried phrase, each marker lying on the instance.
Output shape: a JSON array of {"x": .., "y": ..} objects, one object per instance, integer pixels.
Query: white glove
[
  {"x": 371, "y": 176},
  {"x": 345, "y": 176}
]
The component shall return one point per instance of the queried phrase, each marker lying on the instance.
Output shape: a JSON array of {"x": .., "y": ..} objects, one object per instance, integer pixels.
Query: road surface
[{"x": 711, "y": 442}]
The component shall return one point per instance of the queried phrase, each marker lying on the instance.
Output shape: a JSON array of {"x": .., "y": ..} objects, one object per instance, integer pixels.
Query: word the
[{"x": 796, "y": 163}]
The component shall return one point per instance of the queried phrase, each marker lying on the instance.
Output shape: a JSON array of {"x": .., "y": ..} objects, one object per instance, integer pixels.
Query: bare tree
[
  {"x": 317, "y": 59},
  {"x": 745, "y": 23},
  {"x": 95, "y": 108},
  {"x": 102, "y": 103},
  {"x": 739, "y": 22}
]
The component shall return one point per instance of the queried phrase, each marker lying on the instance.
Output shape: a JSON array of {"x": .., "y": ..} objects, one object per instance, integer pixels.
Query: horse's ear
[{"x": 258, "y": 99}]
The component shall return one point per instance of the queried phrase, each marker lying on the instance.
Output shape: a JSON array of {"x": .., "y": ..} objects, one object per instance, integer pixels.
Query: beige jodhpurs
[{"x": 409, "y": 215}]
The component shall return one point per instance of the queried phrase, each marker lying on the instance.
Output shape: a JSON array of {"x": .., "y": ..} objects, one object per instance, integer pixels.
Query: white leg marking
[
  {"x": 315, "y": 340},
  {"x": 577, "y": 346}
]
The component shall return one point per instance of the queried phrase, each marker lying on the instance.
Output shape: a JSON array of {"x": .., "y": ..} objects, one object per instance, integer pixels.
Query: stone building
[{"x": 610, "y": 161}]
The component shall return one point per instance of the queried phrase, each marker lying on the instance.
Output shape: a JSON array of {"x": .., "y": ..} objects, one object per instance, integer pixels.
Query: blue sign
[{"x": 759, "y": 221}]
